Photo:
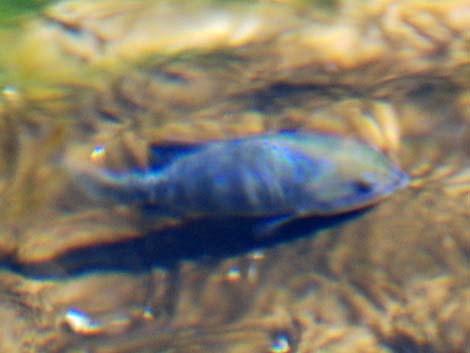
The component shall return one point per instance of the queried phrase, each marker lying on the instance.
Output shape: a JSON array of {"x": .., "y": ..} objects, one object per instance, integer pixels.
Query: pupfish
[{"x": 285, "y": 174}]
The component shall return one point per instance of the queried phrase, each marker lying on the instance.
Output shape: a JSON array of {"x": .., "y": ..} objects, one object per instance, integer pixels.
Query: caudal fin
[{"x": 106, "y": 186}]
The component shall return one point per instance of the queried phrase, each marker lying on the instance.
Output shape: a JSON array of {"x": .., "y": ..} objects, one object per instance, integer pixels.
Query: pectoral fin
[{"x": 270, "y": 227}]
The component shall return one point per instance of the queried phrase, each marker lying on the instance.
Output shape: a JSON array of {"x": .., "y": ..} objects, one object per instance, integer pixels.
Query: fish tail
[{"x": 125, "y": 188}]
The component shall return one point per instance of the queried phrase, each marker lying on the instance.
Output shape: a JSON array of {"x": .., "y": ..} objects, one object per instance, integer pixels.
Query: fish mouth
[
  {"x": 402, "y": 180},
  {"x": 399, "y": 180}
]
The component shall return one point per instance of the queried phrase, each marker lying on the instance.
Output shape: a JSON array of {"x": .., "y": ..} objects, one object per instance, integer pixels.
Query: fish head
[{"x": 358, "y": 176}]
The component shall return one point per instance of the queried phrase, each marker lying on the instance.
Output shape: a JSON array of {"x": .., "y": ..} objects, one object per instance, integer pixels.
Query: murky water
[{"x": 96, "y": 83}]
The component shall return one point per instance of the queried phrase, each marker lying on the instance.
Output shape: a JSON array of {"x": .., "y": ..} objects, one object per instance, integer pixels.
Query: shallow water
[{"x": 80, "y": 276}]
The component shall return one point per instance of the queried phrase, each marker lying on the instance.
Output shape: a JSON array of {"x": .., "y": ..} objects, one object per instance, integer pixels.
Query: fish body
[{"x": 288, "y": 174}]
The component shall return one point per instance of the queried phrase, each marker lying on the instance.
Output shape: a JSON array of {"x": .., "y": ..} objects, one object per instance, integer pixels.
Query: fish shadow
[{"x": 203, "y": 239}]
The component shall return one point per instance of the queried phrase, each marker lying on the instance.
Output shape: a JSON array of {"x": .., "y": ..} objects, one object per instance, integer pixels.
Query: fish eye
[{"x": 362, "y": 186}]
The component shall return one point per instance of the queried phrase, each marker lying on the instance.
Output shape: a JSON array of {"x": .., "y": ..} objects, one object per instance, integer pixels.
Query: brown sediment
[{"x": 392, "y": 73}]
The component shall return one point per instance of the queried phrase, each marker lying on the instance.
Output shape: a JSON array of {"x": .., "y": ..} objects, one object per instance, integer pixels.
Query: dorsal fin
[{"x": 163, "y": 154}]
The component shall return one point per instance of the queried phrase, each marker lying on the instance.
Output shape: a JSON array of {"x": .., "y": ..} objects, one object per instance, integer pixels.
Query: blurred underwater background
[{"x": 96, "y": 83}]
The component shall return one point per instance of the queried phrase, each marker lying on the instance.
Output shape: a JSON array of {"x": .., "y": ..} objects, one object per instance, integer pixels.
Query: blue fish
[{"x": 286, "y": 174}]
